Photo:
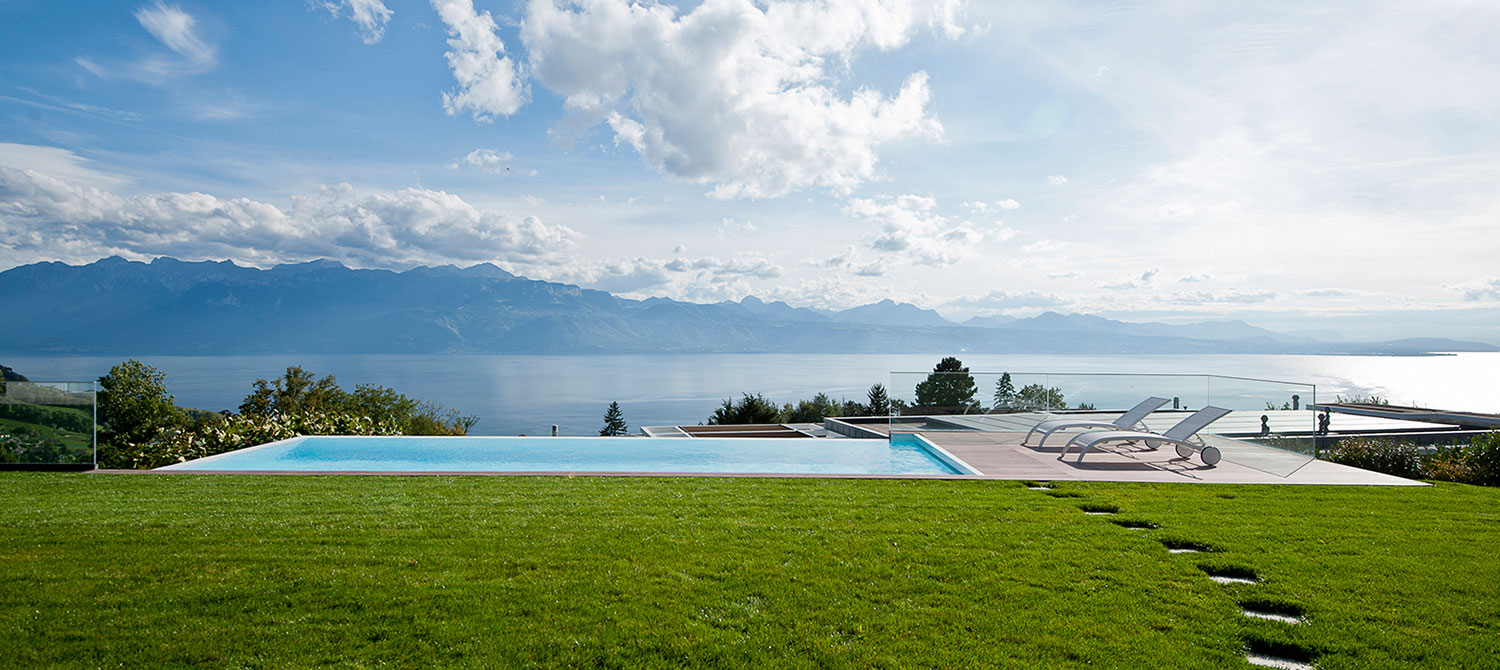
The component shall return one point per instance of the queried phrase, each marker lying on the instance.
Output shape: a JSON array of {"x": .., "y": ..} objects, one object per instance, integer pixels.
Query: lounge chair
[
  {"x": 1183, "y": 436},
  {"x": 1127, "y": 421}
]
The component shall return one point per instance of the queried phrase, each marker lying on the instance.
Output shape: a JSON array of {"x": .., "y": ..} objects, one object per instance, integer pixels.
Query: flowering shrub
[
  {"x": 1389, "y": 456},
  {"x": 1476, "y": 463},
  {"x": 175, "y": 444}
]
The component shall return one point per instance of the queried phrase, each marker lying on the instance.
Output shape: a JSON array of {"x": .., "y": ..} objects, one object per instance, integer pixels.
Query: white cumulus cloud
[
  {"x": 488, "y": 160},
  {"x": 739, "y": 94},
  {"x": 45, "y": 216},
  {"x": 488, "y": 82},
  {"x": 912, "y": 230},
  {"x": 705, "y": 279},
  {"x": 1487, "y": 288},
  {"x": 370, "y": 16}
]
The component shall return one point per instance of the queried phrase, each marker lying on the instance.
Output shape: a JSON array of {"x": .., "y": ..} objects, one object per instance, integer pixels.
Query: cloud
[
  {"x": 705, "y": 279},
  {"x": 1234, "y": 295},
  {"x": 1329, "y": 293},
  {"x": 998, "y": 205},
  {"x": 487, "y": 160},
  {"x": 1044, "y": 247},
  {"x": 370, "y": 16},
  {"x": 488, "y": 81},
  {"x": 175, "y": 29},
  {"x": 999, "y": 301},
  {"x": 44, "y": 216},
  {"x": 1487, "y": 288},
  {"x": 178, "y": 31},
  {"x": 731, "y": 228},
  {"x": 1144, "y": 280},
  {"x": 850, "y": 260},
  {"x": 58, "y": 163},
  {"x": 736, "y": 94},
  {"x": 1057, "y": 180},
  {"x": 912, "y": 231}
]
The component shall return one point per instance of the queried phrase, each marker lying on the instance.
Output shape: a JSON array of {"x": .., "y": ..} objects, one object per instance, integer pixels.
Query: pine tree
[
  {"x": 1005, "y": 391},
  {"x": 949, "y": 386},
  {"x": 880, "y": 402},
  {"x": 614, "y": 421}
]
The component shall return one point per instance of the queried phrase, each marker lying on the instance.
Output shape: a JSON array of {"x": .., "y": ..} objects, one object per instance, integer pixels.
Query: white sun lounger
[
  {"x": 1127, "y": 421},
  {"x": 1183, "y": 436}
]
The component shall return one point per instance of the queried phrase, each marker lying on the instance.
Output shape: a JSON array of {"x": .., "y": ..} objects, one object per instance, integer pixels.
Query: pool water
[{"x": 584, "y": 454}]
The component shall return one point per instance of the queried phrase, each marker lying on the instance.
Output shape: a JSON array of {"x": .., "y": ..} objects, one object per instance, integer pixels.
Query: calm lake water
[{"x": 528, "y": 394}]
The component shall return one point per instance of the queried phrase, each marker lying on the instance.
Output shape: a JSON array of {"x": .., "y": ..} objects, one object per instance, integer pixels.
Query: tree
[
  {"x": 749, "y": 409},
  {"x": 880, "y": 402},
  {"x": 299, "y": 393},
  {"x": 133, "y": 406},
  {"x": 1005, "y": 391},
  {"x": 949, "y": 386},
  {"x": 813, "y": 411},
  {"x": 614, "y": 421},
  {"x": 1040, "y": 397},
  {"x": 296, "y": 391}
]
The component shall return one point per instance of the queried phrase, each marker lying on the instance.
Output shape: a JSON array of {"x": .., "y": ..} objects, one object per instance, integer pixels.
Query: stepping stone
[
  {"x": 1276, "y": 662},
  {"x": 1134, "y": 525},
  {"x": 1098, "y": 513},
  {"x": 1175, "y": 546},
  {"x": 1040, "y": 488},
  {"x": 1236, "y": 575},
  {"x": 1271, "y": 616}
]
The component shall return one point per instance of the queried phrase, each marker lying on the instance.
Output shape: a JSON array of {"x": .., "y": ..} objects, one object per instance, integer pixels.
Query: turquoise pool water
[{"x": 585, "y": 454}]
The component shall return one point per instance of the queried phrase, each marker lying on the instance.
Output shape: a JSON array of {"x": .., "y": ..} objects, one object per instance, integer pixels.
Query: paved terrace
[{"x": 992, "y": 445}]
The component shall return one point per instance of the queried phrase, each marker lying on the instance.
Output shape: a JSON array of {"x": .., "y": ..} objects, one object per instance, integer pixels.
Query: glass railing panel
[{"x": 47, "y": 423}]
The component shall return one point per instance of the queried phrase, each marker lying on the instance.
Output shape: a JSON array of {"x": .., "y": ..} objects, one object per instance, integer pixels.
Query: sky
[{"x": 1326, "y": 167}]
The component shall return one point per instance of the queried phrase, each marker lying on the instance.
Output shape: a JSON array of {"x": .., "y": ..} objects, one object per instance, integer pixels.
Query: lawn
[{"x": 295, "y": 571}]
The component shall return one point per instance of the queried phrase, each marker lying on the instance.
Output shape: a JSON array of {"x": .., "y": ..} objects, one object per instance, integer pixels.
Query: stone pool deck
[{"x": 1000, "y": 455}]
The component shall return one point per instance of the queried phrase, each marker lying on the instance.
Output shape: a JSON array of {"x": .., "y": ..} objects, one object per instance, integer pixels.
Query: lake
[{"x": 528, "y": 394}]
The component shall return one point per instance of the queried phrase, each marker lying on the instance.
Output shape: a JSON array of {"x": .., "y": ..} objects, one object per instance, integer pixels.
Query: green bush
[
  {"x": 145, "y": 430},
  {"x": 301, "y": 392},
  {"x": 133, "y": 407},
  {"x": 1389, "y": 456},
  {"x": 749, "y": 409},
  {"x": 1478, "y": 463},
  {"x": 179, "y": 443}
]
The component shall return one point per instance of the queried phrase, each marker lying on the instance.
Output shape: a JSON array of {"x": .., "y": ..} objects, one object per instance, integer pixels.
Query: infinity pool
[{"x": 906, "y": 456}]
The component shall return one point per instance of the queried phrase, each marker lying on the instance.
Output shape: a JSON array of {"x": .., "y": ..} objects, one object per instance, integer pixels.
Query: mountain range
[{"x": 167, "y": 306}]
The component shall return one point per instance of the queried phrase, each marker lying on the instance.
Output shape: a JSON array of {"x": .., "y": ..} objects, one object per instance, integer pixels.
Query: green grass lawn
[{"x": 244, "y": 571}]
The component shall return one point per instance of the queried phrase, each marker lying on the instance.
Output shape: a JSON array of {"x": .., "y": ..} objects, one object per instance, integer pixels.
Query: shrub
[
  {"x": 749, "y": 409},
  {"x": 1478, "y": 463},
  {"x": 1389, "y": 456},
  {"x": 301, "y": 392},
  {"x": 176, "y": 444},
  {"x": 814, "y": 411},
  {"x": 134, "y": 407}
]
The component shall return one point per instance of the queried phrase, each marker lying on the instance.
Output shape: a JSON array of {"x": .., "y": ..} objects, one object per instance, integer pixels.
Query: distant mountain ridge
[{"x": 167, "y": 306}]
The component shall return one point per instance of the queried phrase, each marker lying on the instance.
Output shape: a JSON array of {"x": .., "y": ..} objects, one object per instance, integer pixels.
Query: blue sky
[{"x": 1320, "y": 166}]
